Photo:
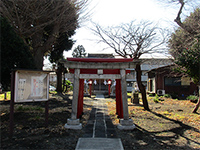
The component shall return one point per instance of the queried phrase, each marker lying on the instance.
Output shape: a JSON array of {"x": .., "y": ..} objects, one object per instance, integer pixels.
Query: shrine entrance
[
  {"x": 100, "y": 86},
  {"x": 99, "y": 69}
]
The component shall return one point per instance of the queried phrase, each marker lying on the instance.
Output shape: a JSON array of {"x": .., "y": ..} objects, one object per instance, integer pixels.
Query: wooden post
[
  {"x": 80, "y": 98},
  {"x": 5, "y": 96},
  {"x": 118, "y": 94},
  {"x": 108, "y": 89},
  {"x": 117, "y": 98},
  {"x": 46, "y": 113},
  {"x": 90, "y": 89},
  {"x": 109, "y": 85},
  {"x": 11, "y": 128}
]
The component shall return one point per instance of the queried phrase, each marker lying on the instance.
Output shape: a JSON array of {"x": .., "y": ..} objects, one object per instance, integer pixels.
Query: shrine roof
[{"x": 101, "y": 59}]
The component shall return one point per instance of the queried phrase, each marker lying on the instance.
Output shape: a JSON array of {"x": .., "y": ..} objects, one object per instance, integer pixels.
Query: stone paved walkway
[
  {"x": 99, "y": 131},
  {"x": 99, "y": 123}
]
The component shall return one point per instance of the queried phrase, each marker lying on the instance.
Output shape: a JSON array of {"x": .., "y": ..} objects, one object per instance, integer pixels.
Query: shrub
[
  {"x": 68, "y": 82},
  {"x": 167, "y": 96},
  {"x": 174, "y": 96},
  {"x": 151, "y": 94},
  {"x": 192, "y": 98},
  {"x": 156, "y": 99}
]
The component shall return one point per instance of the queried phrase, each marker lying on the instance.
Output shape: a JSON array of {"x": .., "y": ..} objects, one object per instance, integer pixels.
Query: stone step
[
  {"x": 99, "y": 144},
  {"x": 99, "y": 96}
]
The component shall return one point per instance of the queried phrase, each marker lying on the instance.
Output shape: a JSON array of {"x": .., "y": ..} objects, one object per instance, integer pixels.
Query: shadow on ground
[{"x": 172, "y": 134}]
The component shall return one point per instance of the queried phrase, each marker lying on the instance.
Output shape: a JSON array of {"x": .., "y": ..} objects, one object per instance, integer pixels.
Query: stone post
[
  {"x": 126, "y": 123},
  {"x": 124, "y": 94},
  {"x": 74, "y": 123}
]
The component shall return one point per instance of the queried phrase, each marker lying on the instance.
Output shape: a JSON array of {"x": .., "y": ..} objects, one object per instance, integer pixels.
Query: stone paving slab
[
  {"x": 99, "y": 131},
  {"x": 99, "y": 144},
  {"x": 99, "y": 96}
]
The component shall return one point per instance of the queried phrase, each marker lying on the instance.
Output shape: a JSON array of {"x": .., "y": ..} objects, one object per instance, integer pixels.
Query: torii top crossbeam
[
  {"x": 99, "y": 68},
  {"x": 100, "y": 63}
]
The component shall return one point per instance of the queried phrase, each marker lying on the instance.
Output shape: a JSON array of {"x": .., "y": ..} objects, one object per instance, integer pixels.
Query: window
[
  {"x": 151, "y": 85},
  {"x": 172, "y": 81}
]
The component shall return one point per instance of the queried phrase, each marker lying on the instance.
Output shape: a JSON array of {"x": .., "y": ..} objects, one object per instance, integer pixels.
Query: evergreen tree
[
  {"x": 185, "y": 48},
  {"x": 14, "y": 53},
  {"x": 79, "y": 51},
  {"x": 64, "y": 43}
]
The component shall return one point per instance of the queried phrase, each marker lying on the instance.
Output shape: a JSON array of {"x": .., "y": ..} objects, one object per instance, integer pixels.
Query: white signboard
[
  {"x": 21, "y": 88},
  {"x": 31, "y": 86}
]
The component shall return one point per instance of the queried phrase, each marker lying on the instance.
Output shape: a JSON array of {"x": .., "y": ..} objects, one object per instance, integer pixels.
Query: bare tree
[
  {"x": 40, "y": 22},
  {"x": 179, "y": 21},
  {"x": 183, "y": 7},
  {"x": 133, "y": 40}
]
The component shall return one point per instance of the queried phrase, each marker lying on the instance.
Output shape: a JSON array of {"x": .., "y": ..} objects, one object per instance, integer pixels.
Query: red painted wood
[
  {"x": 82, "y": 95},
  {"x": 118, "y": 93},
  {"x": 94, "y": 71},
  {"x": 128, "y": 71},
  {"x": 111, "y": 71},
  {"x": 108, "y": 89},
  {"x": 90, "y": 89},
  {"x": 88, "y": 71},
  {"x": 78, "y": 105},
  {"x": 71, "y": 70},
  {"x": 109, "y": 85},
  {"x": 101, "y": 59},
  {"x": 90, "y": 82},
  {"x": 85, "y": 71},
  {"x": 80, "y": 98},
  {"x": 117, "y": 98}
]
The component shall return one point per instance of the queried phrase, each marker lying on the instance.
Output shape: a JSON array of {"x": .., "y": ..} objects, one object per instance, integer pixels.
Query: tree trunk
[
  {"x": 38, "y": 58},
  {"x": 196, "y": 107},
  {"x": 198, "y": 103},
  {"x": 59, "y": 79},
  {"x": 180, "y": 23},
  {"x": 141, "y": 87},
  {"x": 38, "y": 51},
  {"x": 64, "y": 83}
]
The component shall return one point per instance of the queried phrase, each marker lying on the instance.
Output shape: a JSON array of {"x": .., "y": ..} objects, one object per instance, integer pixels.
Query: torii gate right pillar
[{"x": 125, "y": 123}]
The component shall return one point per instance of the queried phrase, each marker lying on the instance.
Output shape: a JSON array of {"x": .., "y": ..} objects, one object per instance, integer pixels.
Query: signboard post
[
  {"x": 29, "y": 86},
  {"x": 12, "y": 106}
]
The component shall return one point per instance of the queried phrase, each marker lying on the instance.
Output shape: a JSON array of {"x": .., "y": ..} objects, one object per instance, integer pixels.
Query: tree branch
[{"x": 179, "y": 22}]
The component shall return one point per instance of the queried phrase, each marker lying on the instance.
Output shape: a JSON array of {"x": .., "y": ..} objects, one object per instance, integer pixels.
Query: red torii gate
[{"x": 99, "y": 68}]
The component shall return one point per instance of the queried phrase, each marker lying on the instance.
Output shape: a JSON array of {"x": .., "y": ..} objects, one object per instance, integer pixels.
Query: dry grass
[{"x": 170, "y": 123}]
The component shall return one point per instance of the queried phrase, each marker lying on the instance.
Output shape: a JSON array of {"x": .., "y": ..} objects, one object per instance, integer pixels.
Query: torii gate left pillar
[
  {"x": 74, "y": 122},
  {"x": 99, "y": 65}
]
